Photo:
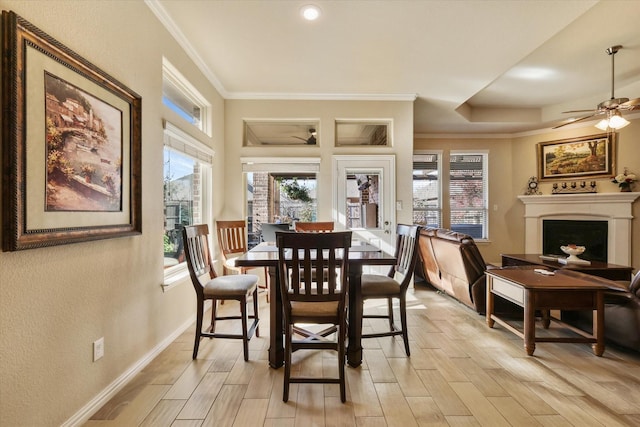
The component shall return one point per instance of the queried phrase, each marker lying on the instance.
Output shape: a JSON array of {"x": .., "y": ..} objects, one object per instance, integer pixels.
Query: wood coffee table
[
  {"x": 596, "y": 268},
  {"x": 534, "y": 291}
]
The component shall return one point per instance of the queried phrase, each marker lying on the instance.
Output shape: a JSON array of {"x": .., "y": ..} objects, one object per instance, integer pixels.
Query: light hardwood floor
[{"x": 460, "y": 373}]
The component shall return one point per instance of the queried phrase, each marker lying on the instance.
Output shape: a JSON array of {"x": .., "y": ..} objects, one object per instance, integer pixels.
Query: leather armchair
[{"x": 452, "y": 263}]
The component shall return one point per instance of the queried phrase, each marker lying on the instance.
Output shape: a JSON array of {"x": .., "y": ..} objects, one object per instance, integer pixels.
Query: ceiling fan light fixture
[
  {"x": 603, "y": 124},
  {"x": 615, "y": 121}
]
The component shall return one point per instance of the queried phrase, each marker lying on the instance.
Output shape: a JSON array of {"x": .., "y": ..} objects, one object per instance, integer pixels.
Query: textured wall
[{"x": 54, "y": 302}]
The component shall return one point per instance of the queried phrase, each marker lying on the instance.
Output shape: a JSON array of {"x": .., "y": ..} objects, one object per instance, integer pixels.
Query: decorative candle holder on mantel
[{"x": 574, "y": 187}]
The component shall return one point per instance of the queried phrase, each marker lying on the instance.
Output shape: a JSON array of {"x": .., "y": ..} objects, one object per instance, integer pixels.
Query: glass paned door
[{"x": 364, "y": 197}]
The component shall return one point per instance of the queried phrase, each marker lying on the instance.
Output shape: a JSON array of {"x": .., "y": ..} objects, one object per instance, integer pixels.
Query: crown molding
[
  {"x": 324, "y": 96},
  {"x": 164, "y": 18}
]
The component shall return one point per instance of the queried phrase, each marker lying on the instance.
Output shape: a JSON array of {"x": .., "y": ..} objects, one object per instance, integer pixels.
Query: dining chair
[
  {"x": 377, "y": 286},
  {"x": 310, "y": 301},
  {"x": 314, "y": 227},
  {"x": 232, "y": 240},
  {"x": 238, "y": 287}
]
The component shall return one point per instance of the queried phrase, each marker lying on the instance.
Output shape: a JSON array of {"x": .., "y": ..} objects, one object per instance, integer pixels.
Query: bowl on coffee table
[{"x": 573, "y": 251}]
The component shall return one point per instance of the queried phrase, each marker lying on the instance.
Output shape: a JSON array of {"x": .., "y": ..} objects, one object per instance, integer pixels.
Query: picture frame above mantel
[
  {"x": 577, "y": 158},
  {"x": 71, "y": 150}
]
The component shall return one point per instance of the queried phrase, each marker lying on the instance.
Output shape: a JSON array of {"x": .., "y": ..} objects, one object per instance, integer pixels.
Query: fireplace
[
  {"x": 612, "y": 208},
  {"x": 590, "y": 234}
]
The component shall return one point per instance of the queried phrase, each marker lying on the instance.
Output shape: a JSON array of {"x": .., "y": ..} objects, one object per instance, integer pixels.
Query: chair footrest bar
[
  {"x": 314, "y": 380},
  {"x": 382, "y": 334},
  {"x": 250, "y": 333},
  {"x": 325, "y": 345},
  {"x": 228, "y": 317}
]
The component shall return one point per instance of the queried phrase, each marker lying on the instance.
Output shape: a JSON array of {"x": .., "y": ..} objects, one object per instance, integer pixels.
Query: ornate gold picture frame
[
  {"x": 577, "y": 158},
  {"x": 71, "y": 145}
]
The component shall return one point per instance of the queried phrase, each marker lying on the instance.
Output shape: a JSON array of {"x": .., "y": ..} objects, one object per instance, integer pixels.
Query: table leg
[
  {"x": 276, "y": 344},
  {"x": 598, "y": 324},
  {"x": 529, "y": 322},
  {"x": 490, "y": 303},
  {"x": 354, "y": 351},
  {"x": 546, "y": 318}
]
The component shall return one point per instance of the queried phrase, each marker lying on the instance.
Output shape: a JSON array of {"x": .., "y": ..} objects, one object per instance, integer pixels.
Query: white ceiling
[{"x": 475, "y": 66}]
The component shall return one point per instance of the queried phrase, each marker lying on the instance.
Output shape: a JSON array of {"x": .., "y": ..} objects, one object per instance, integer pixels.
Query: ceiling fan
[
  {"x": 611, "y": 108},
  {"x": 312, "y": 138}
]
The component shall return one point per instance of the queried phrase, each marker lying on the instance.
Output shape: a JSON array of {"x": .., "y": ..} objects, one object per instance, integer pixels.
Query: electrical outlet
[{"x": 98, "y": 349}]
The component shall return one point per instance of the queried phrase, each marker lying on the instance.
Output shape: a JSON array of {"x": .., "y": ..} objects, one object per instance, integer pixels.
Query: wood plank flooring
[{"x": 460, "y": 373}]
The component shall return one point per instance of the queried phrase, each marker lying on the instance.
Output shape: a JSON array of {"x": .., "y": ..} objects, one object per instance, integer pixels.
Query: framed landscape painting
[
  {"x": 576, "y": 158},
  {"x": 71, "y": 151}
]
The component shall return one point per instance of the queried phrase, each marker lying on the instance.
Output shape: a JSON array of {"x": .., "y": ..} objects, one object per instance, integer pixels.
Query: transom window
[{"x": 182, "y": 98}]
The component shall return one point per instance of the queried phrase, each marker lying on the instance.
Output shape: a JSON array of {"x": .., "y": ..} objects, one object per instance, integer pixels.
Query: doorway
[{"x": 364, "y": 197}]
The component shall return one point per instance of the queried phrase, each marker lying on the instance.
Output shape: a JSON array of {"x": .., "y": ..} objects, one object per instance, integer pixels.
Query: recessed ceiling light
[
  {"x": 310, "y": 12},
  {"x": 531, "y": 73}
]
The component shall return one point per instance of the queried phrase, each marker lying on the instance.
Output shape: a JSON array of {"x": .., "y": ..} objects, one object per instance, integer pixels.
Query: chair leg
[
  {"x": 341, "y": 362},
  {"x": 390, "y": 312},
  {"x": 255, "y": 311},
  {"x": 245, "y": 334},
  {"x": 266, "y": 281},
  {"x": 287, "y": 362},
  {"x": 214, "y": 313},
  {"x": 403, "y": 319},
  {"x": 196, "y": 344}
]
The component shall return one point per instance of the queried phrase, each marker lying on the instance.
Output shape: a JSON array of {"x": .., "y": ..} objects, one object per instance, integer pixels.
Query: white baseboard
[{"x": 83, "y": 415}]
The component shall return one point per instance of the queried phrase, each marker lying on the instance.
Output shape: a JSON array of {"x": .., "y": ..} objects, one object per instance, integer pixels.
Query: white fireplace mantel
[{"x": 615, "y": 208}]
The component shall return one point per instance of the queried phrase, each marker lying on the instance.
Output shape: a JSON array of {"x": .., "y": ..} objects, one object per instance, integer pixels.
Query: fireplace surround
[{"x": 615, "y": 208}]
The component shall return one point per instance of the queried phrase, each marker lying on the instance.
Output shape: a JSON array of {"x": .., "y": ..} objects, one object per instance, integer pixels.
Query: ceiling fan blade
[
  {"x": 580, "y": 111},
  {"x": 309, "y": 141},
  {"x": 632, "y": 104},
  {"x": 570, "y": 122}
]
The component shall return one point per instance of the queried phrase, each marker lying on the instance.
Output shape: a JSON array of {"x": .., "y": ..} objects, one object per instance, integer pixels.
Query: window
[
  {"x": 187, "y": 189},
  {"x": 277, "y": 133},
  {"x": 181, "y": 97},
  {"x": 468, "y": 193},
  {"x": 351, "y": 133},
  {"x": 427, "y": 207},
  {"x": 279, "y": 191},
  {"x": 465, "y": 208}
]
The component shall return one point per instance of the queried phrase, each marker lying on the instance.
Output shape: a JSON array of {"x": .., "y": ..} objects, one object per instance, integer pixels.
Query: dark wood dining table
[{"x": 266, "y": 255}]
